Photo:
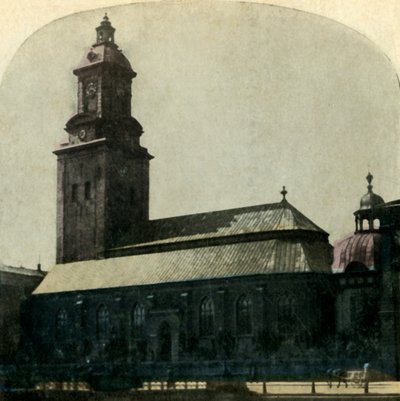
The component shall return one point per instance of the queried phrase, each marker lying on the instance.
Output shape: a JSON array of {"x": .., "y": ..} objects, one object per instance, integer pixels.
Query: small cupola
[
  {"x": 370, "y": 199},
  {"x": 105, "y": 31},
  {"x": 369, "y": 214}
]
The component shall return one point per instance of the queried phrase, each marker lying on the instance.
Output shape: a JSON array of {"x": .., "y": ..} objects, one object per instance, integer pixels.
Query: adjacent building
[{"x": 16, "y": 285}]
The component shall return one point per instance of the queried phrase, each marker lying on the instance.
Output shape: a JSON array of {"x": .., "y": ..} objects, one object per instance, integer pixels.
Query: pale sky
[{"x": 236, "y": 100}]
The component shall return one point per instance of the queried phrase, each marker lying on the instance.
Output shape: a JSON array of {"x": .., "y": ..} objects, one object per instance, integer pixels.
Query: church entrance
[{"x": 165, "y": 340}]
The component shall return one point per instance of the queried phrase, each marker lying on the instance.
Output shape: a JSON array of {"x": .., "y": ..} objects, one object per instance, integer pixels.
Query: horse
[{"x": 340, "y": 374}]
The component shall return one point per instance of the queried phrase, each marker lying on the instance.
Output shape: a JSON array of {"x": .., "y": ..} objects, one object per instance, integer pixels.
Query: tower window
[
  {"x": 243, "y": 315},
  {"x": 287, "y": 307},
  {"x": 74, "y": 193},
  {"x": 206, "y": 317},
  {"x": 87, "y": 190}
]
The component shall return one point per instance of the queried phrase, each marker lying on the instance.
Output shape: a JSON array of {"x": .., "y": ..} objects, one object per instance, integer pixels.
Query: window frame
[
  {"x": 206, "y": 317},
  {"x": 138, "y": 318},
  {"x": 244, "y": 321}
]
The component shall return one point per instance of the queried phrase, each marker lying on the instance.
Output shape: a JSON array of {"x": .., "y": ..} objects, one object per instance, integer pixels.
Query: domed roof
[
  {"x": 363, "y": 248},
  {"x": 370, "y": 199},
  {"x": 105, "y": 51}
]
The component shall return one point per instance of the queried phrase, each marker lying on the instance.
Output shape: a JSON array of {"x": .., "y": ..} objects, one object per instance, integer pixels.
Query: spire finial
[
  {"x": 369, "y": 177},
  {"x": 283, "y": 193},
  {"x": 105, "y": 17}
]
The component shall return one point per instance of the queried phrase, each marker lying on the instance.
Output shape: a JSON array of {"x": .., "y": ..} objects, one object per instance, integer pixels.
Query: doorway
[{"x": 164, "y": 336}]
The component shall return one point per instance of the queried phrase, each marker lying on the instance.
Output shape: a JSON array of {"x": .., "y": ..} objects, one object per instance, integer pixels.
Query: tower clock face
[
  {"x": 91, "y": 89},
  {"x": 82, "y": 134}
]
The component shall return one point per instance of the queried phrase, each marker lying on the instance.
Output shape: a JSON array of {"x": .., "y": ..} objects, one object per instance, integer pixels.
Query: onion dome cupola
[
  {"x": 367, "y": 217},
  {"x": 361, "y": 251}
]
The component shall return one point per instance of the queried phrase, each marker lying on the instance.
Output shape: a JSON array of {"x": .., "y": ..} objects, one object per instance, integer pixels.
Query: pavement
[{"x": 299, "y": 388}]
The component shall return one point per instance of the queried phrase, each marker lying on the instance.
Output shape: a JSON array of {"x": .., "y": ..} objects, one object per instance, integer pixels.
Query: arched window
[
  {"x": 61, "y": 323},
  {"x": 243, "y": 315},
  {"x": 286, "y": 306},
  {"x": 206, "y": 317},
  {"x": 138, "y": 318},
  {"x": 103, "y": 322}
]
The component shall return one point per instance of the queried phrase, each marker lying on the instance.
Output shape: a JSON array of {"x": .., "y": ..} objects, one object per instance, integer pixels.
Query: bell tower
[{"x": 102, "y": 171}]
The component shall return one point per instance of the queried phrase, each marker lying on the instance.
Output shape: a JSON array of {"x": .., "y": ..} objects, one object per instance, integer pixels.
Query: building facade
[
  {"x": 16, "y": 285},
  {"x": 249, "y": 292}
]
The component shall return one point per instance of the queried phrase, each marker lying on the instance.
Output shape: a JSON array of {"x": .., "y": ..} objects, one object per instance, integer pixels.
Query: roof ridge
[
  {"x": 217, "y": 211},
  {"x": 269, "y": 217}
]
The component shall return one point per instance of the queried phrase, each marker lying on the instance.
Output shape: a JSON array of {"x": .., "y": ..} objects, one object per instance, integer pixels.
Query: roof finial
[
  {"x": 283, "y": 193},
  {"x": 105, "y": 17},
  {"x": 369, "y": 177}
]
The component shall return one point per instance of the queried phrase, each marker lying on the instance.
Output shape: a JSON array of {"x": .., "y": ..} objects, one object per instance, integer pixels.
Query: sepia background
[{"x": 236, "y": 100}]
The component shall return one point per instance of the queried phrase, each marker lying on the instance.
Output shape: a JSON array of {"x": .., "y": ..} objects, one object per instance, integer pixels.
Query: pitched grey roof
[
  {"x": 273, "y": 217},
  {"x": 222, "y": 261}
]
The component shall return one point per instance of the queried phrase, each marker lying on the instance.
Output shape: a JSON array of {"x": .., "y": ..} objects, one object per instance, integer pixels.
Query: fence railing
[{"x": 260, "y": 387}]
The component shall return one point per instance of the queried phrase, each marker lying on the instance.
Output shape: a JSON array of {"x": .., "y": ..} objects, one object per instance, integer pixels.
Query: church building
[{"x": 252, "y": 292}]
